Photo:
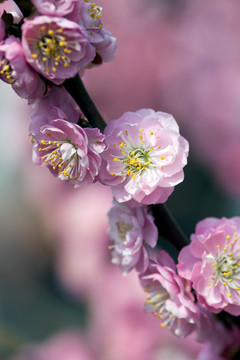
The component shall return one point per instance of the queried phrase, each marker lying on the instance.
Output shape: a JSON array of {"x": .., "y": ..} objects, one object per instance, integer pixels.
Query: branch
[
  {"x": 79, "y": 93},
  {"x": 167, "y": 226}
]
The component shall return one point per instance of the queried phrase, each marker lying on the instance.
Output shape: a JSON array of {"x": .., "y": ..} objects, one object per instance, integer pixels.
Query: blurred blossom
[
  {"x": 81, "y": 245},
  {"x": 54, "y": 8},
  {"x": 131, "y": 229},
  {"x": 69, "y": 345}
]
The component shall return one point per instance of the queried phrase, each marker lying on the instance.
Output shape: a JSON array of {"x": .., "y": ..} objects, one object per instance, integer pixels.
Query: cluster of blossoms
[
  {"x": 204, "y": 282},
  {"x": 141, "y": 156},
  {"x": 59, "y": 40},
  {"x": 143, "y": 161}
]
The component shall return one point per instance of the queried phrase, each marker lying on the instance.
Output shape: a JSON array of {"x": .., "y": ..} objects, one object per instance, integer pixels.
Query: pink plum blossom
[
  {"x": 144, "y": 157},
  {"x": 15, "y": 70},
  {"x": 169, "y": 296},
  {"x": 106, "y": 47},
  {"x": 2, "y": 29},
  {"x": 212, "y": 262},
  {"x": 71, "y": 153},
  {"x": 55, "y": 8},
  {"x": 101, "y": 40},
  {"x": 56, "y": 103},
  {"x": 130, "y": 230},
  {"x": 56, "y": 47}
]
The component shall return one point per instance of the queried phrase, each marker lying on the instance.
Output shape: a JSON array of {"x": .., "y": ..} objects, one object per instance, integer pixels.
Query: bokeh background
[{"x": 60, "y": 296}]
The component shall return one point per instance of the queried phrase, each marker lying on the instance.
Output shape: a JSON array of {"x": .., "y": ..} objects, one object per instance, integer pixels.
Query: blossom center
[
  {"x": 62, "y": 156},
  {"x": 123, "y": 228},
  {"x": 53, "y": 49},
  {"x": 6, "y": 71},
  {"x": 95, "y": 13},
  {"x": 156, "y": 304},
  {"x": 137, "y": 156},
  {"x": 226, "y": 266}
]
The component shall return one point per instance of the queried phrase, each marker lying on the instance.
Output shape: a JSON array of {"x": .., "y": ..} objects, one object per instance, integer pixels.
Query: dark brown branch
[
  {"x": 77, "y": 90},
  {"x": 167, "y": 226}
]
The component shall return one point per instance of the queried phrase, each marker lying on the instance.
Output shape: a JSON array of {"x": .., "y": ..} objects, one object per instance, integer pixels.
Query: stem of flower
[
  {"x": 79, "y": 93},
  {"x": 167, "y": 226}
]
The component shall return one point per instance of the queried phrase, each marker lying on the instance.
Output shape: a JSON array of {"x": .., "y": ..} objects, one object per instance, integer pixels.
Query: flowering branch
[
  {"x": 166, "y": 224},
  {"x": 141, "y": 156}
]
